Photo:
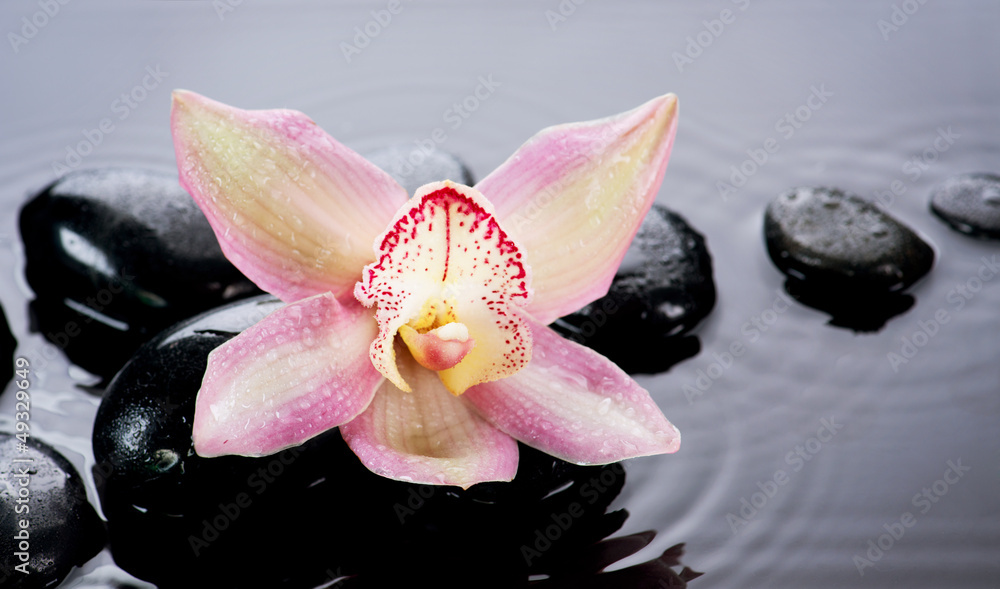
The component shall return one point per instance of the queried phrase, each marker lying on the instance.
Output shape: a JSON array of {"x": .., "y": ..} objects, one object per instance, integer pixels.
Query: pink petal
[
  {"x": 300, "y": 371},
  {"x": 292, "y": 208},
  {"x": 445, "y": 247},
  {"x": 574, "y": 195},
  {"x": 575, "y": 404},
  {"x": 429, "y": 436}
]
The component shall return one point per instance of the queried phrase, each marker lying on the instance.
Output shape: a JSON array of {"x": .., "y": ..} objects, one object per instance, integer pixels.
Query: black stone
[
  {"x": 970, "y": 204},
  {"x": 7, "y": 347},
  {"x": 663, "y": 289},
  {"x": 413, "y": 165},
  {"x": 116, "y": 255},
  {"x": 174, "y": 516},
  {"x": 314, "y": 514},
  {"x": 63, "y": 529},
  {"x": 829, "y": 237},
  {"x": 142, "y": 431},
  {"x": 845, "y": 256}
]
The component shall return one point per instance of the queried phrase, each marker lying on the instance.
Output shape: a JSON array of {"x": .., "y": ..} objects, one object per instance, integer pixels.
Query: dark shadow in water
[
  {"x": 863, "y": 311},
  {"x": 314, "y": 516}
]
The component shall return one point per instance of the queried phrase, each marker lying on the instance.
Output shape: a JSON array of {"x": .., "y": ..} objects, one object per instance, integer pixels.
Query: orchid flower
[{"x": 418, "y": 325}]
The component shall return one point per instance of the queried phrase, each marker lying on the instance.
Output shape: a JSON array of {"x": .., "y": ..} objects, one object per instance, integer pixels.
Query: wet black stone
[
  {"x": 7, "y": 347},
  {"x": 413, "y": 165},
  {"x": 63, "y": 529},
  {"x": 970, "y": 204},
  {"x": 142, "y": 431},
  {"x": 663, "y": 289},
  {"x": 314, "y": 514},
  {"x": 174, "y": 516},
  {"x": 845, "y": 256},
  {"x": 826, "y": 236},
  {"x": 116, "y": 255}
]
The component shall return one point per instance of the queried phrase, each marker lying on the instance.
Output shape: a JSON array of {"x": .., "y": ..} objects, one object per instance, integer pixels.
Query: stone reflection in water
[
  {"x": 855, "y": 309},
  {"x": 315, "y": 516}
]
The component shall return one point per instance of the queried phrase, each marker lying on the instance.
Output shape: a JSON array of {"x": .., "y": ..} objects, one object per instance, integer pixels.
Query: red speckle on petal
[{"x": 432, "y": 245}]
